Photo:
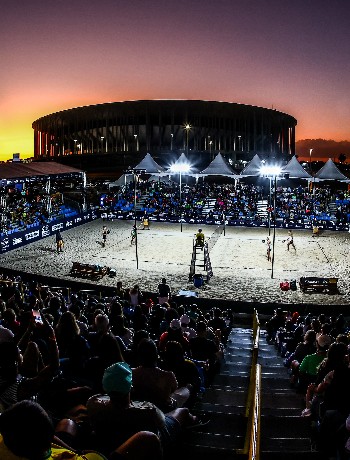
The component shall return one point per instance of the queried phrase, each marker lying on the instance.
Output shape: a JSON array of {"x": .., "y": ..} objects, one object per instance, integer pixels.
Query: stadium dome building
[{"x": 128, "y": 130}]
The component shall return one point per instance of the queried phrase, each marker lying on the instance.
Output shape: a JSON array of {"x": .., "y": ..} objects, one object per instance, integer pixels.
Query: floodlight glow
[
  {"x": 180, "y": 168},
  {"x": 271, "y": 171}
]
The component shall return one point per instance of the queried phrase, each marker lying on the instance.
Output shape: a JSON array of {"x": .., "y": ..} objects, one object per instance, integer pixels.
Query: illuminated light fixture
[
  {"x": 272, "y": 172},
  {"x": 187, "y": 129},
  {"x": 180, "y": 168}
]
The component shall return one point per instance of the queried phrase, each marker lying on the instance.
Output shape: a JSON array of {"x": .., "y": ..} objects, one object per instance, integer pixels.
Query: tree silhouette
[{"x": 342, "y": 158}]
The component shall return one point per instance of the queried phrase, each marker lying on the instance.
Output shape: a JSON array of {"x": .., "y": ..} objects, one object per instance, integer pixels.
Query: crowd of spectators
[
  {"x": 237, "y": 203},
  {"x": 124, "y": 373},
  {"x": 316, "y": 351},
  {"x": 104, "y": 369},
  {"x": 29, "y": 204}
]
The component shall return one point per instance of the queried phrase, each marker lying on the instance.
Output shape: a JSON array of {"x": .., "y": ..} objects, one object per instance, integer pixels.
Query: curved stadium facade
[{"x": 131, "y": 129}]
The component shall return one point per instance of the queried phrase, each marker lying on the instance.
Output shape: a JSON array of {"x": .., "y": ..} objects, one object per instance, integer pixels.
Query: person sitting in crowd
[
  {"x": 334, "y": 408},
  {"x": 106, "y": 348},
  {"x": 217, "y": 322},
  {"x": 13, "y": 386},
  {"x": 154, "y": 384},
  {"x": 115, "y": 416},
  {"x": 28, "y": 432},
  {"x": 304, "y": 348},
  {"x": 277, "y": 321},
  {"x": 188, "y": 331},
  {"x": 309, "y": 365},
  {"x": 174, "y": 332},
  {"x": 206, "y": 352},
  {"x": 336, "y": 354},
  {"x": 285, "y": 338},
  {"x": 74, "y": 348},
  {"x": 187, "y": 372}
]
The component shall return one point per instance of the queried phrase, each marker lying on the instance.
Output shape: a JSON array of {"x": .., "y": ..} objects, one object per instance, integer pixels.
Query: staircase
[
  {"x": 332, "y": 208},
  {"x": 262, "y": 209},
  {"x": 224, "y": 403},
  {"x": 209, "y": 205},
  {"x": 141, "y": 203},
  {"x": 284, "y": 433}
]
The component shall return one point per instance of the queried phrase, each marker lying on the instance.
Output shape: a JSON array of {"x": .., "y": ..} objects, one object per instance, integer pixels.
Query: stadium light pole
[
  {"x": 136, "y": 175},
  {"x": 187, "y": 128},
  {"x": 272, "y": 172},
  {"x": 310, "y": 159},
  {"x": 136, "y": 142},
  {"x": 180, "y": 169}
]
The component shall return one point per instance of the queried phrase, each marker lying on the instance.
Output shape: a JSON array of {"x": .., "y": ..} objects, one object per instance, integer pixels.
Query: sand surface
[{"x": 241, "y": 271}]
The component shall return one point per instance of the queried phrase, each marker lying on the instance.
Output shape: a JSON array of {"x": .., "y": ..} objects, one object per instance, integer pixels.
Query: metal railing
[{"x": 253, "y": 406}]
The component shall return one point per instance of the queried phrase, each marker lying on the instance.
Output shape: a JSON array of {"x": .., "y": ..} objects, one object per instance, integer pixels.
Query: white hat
[
  {"x": 175, "y": 324},
  {"x": 324, "y": 340}
]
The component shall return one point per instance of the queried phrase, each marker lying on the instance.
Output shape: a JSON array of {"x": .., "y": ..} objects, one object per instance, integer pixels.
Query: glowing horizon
[{"x": 60, "y": 55}]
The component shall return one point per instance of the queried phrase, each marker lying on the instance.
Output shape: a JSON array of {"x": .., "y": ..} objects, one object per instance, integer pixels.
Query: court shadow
[{"x": 46, "y": 249}]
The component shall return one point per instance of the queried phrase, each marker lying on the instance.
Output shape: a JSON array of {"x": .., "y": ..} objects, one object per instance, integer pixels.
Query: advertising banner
[{"x": 15, "y": 239}]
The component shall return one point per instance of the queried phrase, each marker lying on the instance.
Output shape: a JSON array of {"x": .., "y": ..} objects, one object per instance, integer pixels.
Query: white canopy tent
[
  {"x": 253, "y": 167},
  {"x": 160, "y": 178},
  {"x": 122, "y": 180},
  {"x": 219, "y": 167},
  {"x": 149, "y": 165},
  {"x": 329, "y": 171},
  {"x": 295, "y": 170}
]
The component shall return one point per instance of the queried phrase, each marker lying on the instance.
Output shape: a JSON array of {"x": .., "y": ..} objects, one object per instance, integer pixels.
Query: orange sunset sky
[{"x": 292, "y": 56}]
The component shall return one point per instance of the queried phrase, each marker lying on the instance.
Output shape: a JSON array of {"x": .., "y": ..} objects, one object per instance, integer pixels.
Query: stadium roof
[{"x": 25, "y": 170}]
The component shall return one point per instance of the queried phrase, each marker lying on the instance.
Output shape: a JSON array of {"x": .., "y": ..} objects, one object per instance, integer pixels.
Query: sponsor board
[{"x": 18, "y": 239}]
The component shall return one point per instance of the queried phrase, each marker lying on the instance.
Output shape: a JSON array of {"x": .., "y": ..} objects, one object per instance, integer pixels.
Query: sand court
[{"x": 241, "y": 271}]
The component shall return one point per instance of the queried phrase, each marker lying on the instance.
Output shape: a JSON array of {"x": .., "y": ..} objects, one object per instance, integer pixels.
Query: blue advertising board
[{"x": 16, "y": 239}]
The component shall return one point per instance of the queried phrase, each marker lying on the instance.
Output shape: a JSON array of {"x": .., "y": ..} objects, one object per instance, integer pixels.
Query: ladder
[{"x": 200, "y": 260}]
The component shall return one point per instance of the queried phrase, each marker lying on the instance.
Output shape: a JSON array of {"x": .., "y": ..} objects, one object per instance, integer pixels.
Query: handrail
[
  {"x": 252, "y": 410},
  {"x": 254, "y": 441}
]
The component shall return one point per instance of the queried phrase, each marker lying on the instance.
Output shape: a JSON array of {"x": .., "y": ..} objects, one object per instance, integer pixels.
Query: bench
[
  {"x": 319, "y": 284},
  {"x": 92, "y": 271}
]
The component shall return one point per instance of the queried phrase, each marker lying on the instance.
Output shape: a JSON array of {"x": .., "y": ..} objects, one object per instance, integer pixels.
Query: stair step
[
  {"x": 235, "y": 369},
  {"x": 286, "y": 426},
  {"x": 232, "y": 381},
  {"x": 224, "y": 396},
  {"x": 282, "y": 411},
  {"x": 209, "y": 408},
  {"x": 212, "y": 441},
  {"x": 281, "y": 385},
  {"x": 301, "y": 455},
  {"x": 280, "y": 400},
  {"x": 283, "y": 445},
  {"x": 237, "y": 353}
]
